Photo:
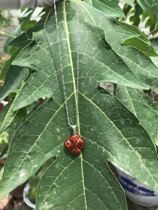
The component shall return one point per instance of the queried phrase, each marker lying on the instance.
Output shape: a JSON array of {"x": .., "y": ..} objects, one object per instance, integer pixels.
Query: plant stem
[{"x": 3, "y": 33}]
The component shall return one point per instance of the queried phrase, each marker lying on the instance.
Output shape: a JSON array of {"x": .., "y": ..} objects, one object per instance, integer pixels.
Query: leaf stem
[{"x": 3, "y": 33}]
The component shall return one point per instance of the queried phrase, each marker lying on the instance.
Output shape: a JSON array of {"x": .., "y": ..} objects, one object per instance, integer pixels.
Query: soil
[
  {"x": 132, "y": 206},
  {"x": 12, "y": 203}
]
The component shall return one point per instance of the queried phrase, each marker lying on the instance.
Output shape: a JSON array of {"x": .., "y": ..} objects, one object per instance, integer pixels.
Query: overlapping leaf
[
  {"x": 42, "y": 55},
  {"x": 149, "y": 13},
  {"x": 139, "y": 64},
  {"x": 15, "y": 77},
  {"x": 138, "y": 40},
  {"x": 143, "y": 107},
  {"x": 110, "y": 8}
]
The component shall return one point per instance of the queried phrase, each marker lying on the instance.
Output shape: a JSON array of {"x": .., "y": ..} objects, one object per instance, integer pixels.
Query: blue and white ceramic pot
[{"x": 136, "y": 191}]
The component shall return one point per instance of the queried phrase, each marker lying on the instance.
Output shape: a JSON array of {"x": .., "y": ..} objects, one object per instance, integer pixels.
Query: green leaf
[
  {"x": 111, "y": 132},
  {"x": 110, "y": 8},
  {"x": 21, "y": 41},
  {"x": 4, "y": 70},
  {"x": 42, "y": 55},
  {"x": 146, "y": 4},
  {"x": 138, "y": 40},
  {"x": 149, "y": 14},
  {"x": 139, "y": 64},
  {"x": 13, "y": 84},
  {"x": 129, "y": 2},
  {"x": 79, "y": 191},
  {"x": 13, "y": 81},
  {"x": 143, "y": 107},
  {"x": 8, "y": 116},
  {"x": 146, "y": 48},
  {"x": 111, "y": 139}
]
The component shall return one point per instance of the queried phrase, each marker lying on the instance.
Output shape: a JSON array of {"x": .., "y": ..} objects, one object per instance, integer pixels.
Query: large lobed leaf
[
  {"x": 143, "y": 107},
  {"x": 112, "y": 133},
  {"x": 42, "y": 55}
]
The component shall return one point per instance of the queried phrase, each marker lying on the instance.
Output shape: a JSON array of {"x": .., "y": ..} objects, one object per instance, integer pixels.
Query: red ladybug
[
  {"x": 1, "y": 107},
  {"x": 74, "y": 144}
]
